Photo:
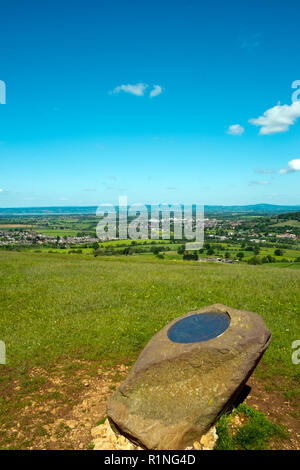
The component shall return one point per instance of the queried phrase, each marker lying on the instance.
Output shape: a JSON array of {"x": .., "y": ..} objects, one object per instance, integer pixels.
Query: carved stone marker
[{"x": 188, "y": 374}]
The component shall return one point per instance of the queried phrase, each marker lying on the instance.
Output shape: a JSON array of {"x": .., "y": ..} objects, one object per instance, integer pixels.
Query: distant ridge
[{"x": 255, "y": 209}]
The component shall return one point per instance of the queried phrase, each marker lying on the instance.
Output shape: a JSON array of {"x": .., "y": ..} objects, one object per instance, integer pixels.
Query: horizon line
[{"x": 148, "y": 204}]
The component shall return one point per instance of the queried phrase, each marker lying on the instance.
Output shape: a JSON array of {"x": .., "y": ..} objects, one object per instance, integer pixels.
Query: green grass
[
  {"x": 58, "y": 308},
  {"x": 54, "y": 305},
  {"x": 254, "y": 433},
  {"x": 57, "y": 250},
  {"x": 295, "y": 265},
  {"x": 59, "y": 232},
  {"x": 287, "y": 223}
]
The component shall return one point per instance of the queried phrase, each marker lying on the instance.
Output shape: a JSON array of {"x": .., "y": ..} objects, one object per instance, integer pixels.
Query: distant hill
[
  {"x": 255, "y": 209},
  {"x": 289, "y": 216},
  {"x": 91, "y": 210}
]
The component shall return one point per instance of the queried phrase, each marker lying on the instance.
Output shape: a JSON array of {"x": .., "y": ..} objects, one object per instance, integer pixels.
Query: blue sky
[{"x": 81, "y": 127}]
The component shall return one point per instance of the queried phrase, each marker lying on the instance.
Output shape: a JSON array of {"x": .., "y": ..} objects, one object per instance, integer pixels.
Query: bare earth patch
[
  {"x": 60, "y": 408},
  {"x": 278, "y": 409},
  {"x": 62, "y": 411}
]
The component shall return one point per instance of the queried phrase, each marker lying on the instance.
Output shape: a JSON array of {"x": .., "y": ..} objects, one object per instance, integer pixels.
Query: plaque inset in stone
[
  {"x": 182, "y": 383},
  {"x": 199, "y": 327}
]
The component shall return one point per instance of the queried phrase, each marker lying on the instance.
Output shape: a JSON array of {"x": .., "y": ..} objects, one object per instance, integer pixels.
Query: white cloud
[
  {"x": 235, "y": 129},
  {"x": 293, "y": 165},
  {"x": 137, "y": 90},
  {"x": 157, "y": 90},
  {"x": 1, "y": 190},
  {"x": 277, "y": 119}
]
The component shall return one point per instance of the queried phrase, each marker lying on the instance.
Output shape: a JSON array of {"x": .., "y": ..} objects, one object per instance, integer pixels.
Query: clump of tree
[
  {"x": 190, "y": 255},
  {"x": 181, "y": 250},
  {"x": 106, "y": 252},
  {"x": 268, "y": 259},
  {"x": 256, "y": 250},
  {"x": 156, "y": 249},
  {"x": 255, "y": 260}
]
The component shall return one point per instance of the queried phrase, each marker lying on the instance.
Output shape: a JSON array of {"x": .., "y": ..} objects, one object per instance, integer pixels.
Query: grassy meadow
[
  {"x": 108, "y": 308},
  {"x": 105, "y": 309}
]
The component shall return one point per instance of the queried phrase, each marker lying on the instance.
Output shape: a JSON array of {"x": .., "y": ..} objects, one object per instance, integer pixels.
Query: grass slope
[
  {"x": 65, "y": 314},
  {"x": 97, "y": 308}
]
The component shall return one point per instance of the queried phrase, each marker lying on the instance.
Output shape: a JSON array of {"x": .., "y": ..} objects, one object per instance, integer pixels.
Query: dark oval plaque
[{"x": 199, "y": 327}]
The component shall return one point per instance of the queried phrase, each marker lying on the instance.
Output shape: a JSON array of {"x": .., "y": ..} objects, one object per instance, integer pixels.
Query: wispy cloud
[
  {"x": 277, "y": 119},
  {"x": 251, "y": 42},
  {"x": 157, "y": 90},
  {"x": 258, "y": 183},
  {"x": 137, "y": 90},
  {"x": 1, "y": 190},
  {"x": 115, "y": 188},
  {"x": 235, "y": 129},
  {"x": 263, "y": 171},
  {"x": 293, "y": 165}
]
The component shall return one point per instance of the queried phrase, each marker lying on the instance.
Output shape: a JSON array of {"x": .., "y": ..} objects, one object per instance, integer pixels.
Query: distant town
[{"x": 229, "y": 237}]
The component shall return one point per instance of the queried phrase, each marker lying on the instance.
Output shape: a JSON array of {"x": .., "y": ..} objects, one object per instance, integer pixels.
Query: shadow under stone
[{"x": 242, "y": 396}]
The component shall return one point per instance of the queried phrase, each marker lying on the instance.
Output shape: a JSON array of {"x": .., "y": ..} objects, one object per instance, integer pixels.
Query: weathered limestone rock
[
  {"x": 104, "y": 438},
  {"x": 176, "y": 391}
]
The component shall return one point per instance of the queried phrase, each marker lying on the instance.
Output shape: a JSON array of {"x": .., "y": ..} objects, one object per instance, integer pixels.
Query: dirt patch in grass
[
  {"x": 57, "y": 408},
  {"x": 279, "y": 410}
]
